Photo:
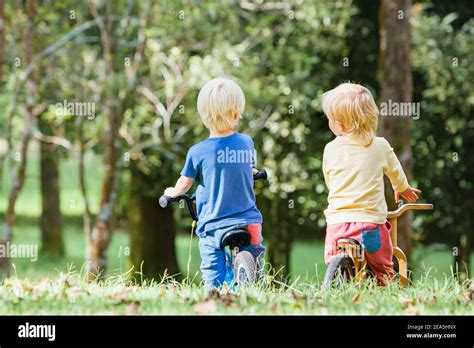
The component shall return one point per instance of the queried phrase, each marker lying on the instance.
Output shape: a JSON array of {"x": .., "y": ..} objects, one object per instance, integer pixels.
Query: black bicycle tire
[{"x": 340, "y": 261}]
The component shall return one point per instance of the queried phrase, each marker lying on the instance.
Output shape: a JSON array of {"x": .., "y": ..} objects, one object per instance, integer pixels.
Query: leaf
[
  {"x": 298, "y": 296},
  {"x": 74, "y": 292},
  {"x": 447, "y": 20},
  {"x": 431, "y": 300},
  {"x": 213, "y": 294},
  {"x": 119, "y": 296},
  {"x": 467, "y": 296},
  {"x": 407, "y": 301},
  {"x": 206, "y": 308},
  {"x": 412, "y": 309},
  {"x": 132, "y": 309},
  {"x": 64, "y": 281},
  {"x": 122, "y": 297},
  {"x": 228, "y": 301},
  {"x": 172, "y": 289},
  {"x": 356, "y": 298}
]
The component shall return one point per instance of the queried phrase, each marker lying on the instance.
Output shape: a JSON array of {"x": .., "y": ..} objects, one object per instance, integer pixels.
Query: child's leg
[
  {"x": 333, "y": 234},
  {"x": 379, "y": 252},
  {"x": 213, "y": 266}
]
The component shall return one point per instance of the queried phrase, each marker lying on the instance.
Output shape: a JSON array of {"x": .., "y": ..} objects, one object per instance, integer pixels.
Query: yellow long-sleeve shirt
[{"x": 354, "y": 176}]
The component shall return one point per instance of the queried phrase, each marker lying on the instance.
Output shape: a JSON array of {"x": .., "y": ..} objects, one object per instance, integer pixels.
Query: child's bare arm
[
  {"x": 182, "y": 186},
  {"x": 399, "y": 181}
]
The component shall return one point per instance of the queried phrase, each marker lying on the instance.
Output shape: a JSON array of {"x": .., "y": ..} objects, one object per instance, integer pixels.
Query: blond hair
[
  {"x": 354, "y": 107},
  {"x": 218, "y": 101}
]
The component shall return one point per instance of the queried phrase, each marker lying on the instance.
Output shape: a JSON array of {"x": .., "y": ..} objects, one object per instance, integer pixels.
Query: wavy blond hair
[
  {"x": 354, "y": 107},
  {"x": 218, "y": 101}
]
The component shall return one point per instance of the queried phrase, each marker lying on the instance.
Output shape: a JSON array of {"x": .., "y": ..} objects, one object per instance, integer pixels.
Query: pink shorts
[{"x": 375, "y": 240}]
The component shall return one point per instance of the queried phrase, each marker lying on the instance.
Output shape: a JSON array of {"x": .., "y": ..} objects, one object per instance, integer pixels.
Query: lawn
[
  {"x": 306, "y": 258},
  {"x": 69, "y": 294}
]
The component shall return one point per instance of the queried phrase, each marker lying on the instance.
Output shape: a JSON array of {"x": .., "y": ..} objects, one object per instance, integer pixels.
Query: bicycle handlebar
[
  {"x": 261, "y": 175},
  {"x": 409, "y": 206},
  {"x": 165, "y": 201}
]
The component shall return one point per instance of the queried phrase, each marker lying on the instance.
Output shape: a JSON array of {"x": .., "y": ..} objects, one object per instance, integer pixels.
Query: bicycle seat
[
  {"x": 345, "y": 242},
  {"x": 238, "y": 237}
]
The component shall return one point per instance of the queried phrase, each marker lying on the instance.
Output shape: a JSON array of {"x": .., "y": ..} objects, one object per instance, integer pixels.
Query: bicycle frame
[
  {"x": 356, "y": 251},
  {"x": 397, "y": 251}
]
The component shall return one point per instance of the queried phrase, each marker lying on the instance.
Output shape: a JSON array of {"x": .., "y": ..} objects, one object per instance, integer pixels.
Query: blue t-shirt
[{"x": 222, "y": 168}]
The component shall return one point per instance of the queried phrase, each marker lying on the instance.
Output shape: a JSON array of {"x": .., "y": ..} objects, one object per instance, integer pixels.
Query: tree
[
  {"x": 118, "y": 83},
  {"x": 30, "y": 117},
  {"x": 100, "y": 236},
  {"x": 152, "y": 228},
  {"x": 51, "y": 221},
  {"x": 156, "y": 155},
  {"x": 445, "y": 132},
  {"x": 2, "y": 46},
  {"x": 396, "y": 86},
  {"x": 2, "y": 38}
]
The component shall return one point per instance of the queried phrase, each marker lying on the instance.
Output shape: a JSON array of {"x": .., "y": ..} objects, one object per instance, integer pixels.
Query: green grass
[
  {"x": 307, "y": 261},
  {"x": 70, "y": 294}
]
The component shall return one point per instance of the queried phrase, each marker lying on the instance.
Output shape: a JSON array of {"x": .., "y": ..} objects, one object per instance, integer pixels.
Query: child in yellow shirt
[{"x": 354, "y": 164}]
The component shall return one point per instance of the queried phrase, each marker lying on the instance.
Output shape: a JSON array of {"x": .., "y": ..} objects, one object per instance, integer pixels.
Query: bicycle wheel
[
  {"x": 245, "y": 268},
  {"x": 340, "y": 270}
]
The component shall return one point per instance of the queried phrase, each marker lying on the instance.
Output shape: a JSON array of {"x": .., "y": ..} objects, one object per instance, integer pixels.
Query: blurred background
[{"x": 98, "y": 111}]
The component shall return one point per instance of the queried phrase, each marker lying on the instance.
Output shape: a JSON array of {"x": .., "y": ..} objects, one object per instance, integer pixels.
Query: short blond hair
[
  {"x": 353, "y": 106},
  {"x": 218, "y": 101}
]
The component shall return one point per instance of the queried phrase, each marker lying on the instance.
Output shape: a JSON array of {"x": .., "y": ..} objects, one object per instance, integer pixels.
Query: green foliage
[{"x": 444, "y": 134}]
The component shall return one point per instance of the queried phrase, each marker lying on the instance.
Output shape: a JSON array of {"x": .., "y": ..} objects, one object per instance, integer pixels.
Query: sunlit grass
[{"x": 69, "y": 293}]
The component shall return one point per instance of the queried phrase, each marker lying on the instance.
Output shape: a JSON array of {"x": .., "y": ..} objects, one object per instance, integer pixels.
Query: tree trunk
[
  {"x": 462, "y": 251},
  {"x": 276, "y": 234},
  {"x": 2, "y": 38},
  {"x": 114, "y": 104},
  {"x": 2, "y": 44},
  {"x": 397, "y": 86},
  {"x": 86, "y": 215},
  {"x": 100, "y": 236},
  {"x": 51, "y": 220},
  {"x": 19, "y": 177},
  {"x": 462, "y": 257},
  {"x": 152, "y": 230}
]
